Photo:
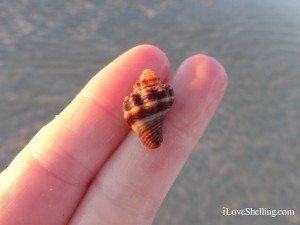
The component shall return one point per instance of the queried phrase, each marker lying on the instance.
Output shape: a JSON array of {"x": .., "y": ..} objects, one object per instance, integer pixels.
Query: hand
[{"x": 87, "y": 167}]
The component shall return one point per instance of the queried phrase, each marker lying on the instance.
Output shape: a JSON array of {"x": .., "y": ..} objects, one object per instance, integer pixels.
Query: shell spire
[{"x": 146, "y": 108}]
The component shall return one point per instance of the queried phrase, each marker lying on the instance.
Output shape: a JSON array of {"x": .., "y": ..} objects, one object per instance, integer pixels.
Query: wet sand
[{"x": 249, "y": 155}]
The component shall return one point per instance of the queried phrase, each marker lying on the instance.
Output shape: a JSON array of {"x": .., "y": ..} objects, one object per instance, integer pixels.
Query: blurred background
[{"x": 248, "y": 157}]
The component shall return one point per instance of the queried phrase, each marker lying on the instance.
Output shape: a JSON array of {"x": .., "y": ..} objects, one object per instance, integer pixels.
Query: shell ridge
[{"x": 152, "y": 132}]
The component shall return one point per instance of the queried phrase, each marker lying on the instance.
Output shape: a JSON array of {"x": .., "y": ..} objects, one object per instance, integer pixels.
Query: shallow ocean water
[{"x": 249, "y": 155}]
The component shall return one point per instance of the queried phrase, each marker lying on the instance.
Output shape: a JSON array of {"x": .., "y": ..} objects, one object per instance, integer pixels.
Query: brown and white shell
[{"x": 146, "y": 108}]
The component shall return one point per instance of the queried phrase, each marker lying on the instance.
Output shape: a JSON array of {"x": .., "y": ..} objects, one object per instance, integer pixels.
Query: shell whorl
[{"x": 146, "y": 108}]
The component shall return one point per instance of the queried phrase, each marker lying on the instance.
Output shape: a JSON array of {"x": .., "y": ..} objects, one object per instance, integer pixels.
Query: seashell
[{"x": 146, "y": 108}]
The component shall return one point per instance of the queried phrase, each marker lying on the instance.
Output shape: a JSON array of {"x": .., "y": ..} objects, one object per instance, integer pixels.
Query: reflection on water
[{"x": 249, "y": 155}]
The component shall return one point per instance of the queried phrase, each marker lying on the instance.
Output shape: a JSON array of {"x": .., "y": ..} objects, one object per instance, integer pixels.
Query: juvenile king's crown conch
[{"x": 146, "y": 107}]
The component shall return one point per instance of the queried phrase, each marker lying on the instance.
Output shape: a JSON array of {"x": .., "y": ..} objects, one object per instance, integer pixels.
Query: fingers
[
  {"x": 92, "y": 126},
  {"x": 51, "y": 174},
  {"x": 132, "y": 184}
]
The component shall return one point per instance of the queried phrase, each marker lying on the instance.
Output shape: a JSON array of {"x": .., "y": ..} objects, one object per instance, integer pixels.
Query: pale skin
[{"x": 87, "y": 167}]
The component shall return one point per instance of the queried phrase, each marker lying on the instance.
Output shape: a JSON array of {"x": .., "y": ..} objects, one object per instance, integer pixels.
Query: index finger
[{"x": 51, "y": 174}]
